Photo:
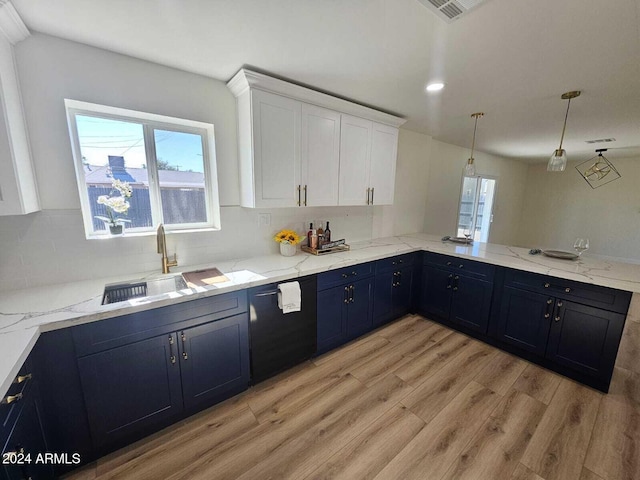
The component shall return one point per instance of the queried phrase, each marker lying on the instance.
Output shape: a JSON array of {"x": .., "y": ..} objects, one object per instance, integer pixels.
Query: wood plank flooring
[{"x": 413, "y": 400}]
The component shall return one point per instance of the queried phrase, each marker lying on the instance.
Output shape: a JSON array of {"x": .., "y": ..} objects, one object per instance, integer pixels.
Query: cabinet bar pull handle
[
  {"x": 12, "y": 398},
  {"x": 372, "y": 190},
  {"x": 298, "y": 195},
  {"x": 395, "y": 275},
  {"x": 184, "y": 339},
  {"x": 346, "y": 294},
  {"x": 305, "y": 195},
  {"x": 368, "y": 190},
  {"x": 23, "y": 378},
  {"x": 351, "y": 289},
  {"x": 184, "y": 355},
  {"x": 449, "y": 283},
  {"x": 399, "y": 279},
  {"x": 172, "y": 357}
]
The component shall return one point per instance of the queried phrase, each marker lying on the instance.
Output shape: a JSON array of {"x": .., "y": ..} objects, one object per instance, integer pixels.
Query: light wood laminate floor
[{"x": 413, "y": 400}]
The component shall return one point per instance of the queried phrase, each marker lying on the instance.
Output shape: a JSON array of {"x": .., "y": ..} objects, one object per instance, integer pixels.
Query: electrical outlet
[{"x": 264, "y": 219}]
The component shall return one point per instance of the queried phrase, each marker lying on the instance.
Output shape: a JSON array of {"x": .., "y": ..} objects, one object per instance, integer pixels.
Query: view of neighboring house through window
[
  {"x": 476, "y": 207},
  {"x": 167, "y": 163}
]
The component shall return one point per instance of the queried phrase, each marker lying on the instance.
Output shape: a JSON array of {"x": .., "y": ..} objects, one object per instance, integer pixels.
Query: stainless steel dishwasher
[{"x": 280, "y": 341}]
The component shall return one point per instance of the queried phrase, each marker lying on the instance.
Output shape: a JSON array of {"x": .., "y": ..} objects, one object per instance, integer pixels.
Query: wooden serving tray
[{"x": 315, "y": 251}]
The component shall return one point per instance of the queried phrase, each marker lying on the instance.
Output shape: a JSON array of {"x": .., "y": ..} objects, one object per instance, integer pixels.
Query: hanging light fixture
[
  {"x": 558, "y": 161},
  {"x": 598, "y": 171},
  {"x": 470, "y": 168}
]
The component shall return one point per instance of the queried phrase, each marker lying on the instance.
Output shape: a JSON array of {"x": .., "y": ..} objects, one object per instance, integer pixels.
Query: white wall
[
  {"x": 559, "y": 207},
  {"x": 49, "y": 246},
  {"x": 445, "y": 182}
]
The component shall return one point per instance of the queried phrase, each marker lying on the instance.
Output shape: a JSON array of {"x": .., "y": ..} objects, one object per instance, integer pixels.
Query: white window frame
[
  {"x": 478, "y": 178},
  {"x": 149, "y": 122}
]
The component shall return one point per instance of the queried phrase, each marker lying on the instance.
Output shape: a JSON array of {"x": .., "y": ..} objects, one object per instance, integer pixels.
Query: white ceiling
[{"x": 511, "y": 59}]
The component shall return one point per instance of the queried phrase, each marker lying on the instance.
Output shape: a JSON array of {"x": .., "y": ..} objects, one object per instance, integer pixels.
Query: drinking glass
[
  {"x": 467, "y": 232},
  {"x": 580, "y": 245}
]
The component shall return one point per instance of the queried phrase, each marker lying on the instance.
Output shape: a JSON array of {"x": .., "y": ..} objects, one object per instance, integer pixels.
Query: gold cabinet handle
[
  {"x": 12, "y": 398},
  {"x": 23, "y": 378}
]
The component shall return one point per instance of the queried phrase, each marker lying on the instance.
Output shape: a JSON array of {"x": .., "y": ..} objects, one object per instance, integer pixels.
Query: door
[
  {"x": 214, "y": 359},
  {"x": 276, "y": 149},
  {"x": 471, "y": 303},
  {"x": 382, "y": 175},
  {"x": 359, "y": 311},
  {"x": 436, "y": 292},
  {"x": 332, "y": 316},
  {"x": 383, "y": 294},
  {"x": 475, "y": 213},
  {"x": 585, "y": 338},
  {"x": 320, "y": 156},
  {"x": 27, "y": 438},
  {"x": 525, "y": 319},
  {"x": 355, "y": 157},
  {"x": 402, "y": 292},
  {"x": 130, "y": 388}
]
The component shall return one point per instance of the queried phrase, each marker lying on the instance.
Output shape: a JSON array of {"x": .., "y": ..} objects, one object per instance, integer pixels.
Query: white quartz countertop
[{"x": 24, "y": 314}]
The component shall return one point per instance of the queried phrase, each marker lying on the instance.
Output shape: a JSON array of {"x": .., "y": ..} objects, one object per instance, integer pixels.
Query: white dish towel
[{"x": 289, "y": 297}]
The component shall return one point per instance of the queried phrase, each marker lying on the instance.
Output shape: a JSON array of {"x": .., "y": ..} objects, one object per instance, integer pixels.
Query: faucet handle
[{"x": 174, "y": 262}]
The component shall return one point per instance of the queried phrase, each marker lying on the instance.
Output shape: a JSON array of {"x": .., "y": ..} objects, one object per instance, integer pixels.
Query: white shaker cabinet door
[
  {"x": 355, "y": 153},
  {"x": 276, "y": 149},
  {"x": 384, "y": 148},
  {"x": 320, "y": 156}
]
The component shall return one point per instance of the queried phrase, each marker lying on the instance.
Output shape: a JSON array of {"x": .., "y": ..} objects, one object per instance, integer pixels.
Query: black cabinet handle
[
  {"x": 351, "y": 290},
  {"x": 344, "y": 275},
  {"x": 305, "y": 195},
  {"x": 559, "y": 311},
  {"x": 547, "y": 312},
  {"x": 449, "y": 282},
  {"x": 184, "y": 346},
  {"x": 393, "y": 282},
  {"x": 455, "y": 283},
  {"x": 399, "y": 279},
  {"x": 298, "y": 195},
  {"x": 346, "y": 294}
]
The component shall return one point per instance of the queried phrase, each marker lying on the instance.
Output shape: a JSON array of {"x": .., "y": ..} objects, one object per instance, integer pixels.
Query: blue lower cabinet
[
  {"x": 332, "y": 317},
  {"x": 214, "y": 361},
  {"x": 132, "y": 389},
  {"x": 21, "y": 450},
  {"x": 392, "y": 295},
  {"x": 359, "y": 309},
  {"x": 525, "y": 319},
  {"x": 345, "y": 311}
]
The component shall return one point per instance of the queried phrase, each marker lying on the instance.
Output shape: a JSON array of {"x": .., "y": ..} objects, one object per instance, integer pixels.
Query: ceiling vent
[
  {"x": 601, "y": 140},
  {"x": 450, "y": 10}
]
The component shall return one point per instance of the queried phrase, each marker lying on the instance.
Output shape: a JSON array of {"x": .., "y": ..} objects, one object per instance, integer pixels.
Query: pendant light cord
[
  {"x": 473, "y": 142},
  {"x": 566, "y": 116}
]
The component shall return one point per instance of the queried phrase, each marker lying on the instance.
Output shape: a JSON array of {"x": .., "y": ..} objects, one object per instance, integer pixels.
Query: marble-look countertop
[{"x": 24, "y": 314}]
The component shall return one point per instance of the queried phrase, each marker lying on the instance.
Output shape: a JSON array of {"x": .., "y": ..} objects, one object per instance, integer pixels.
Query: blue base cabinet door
[
  {"x": 214, "y": 360},
  {"x": 332, "y": 317},
  {"x": 132, "y": 388},
  {"x": 471, "y": 302},
  {"x": 436, "y": 292},
  {"x": 359, "y": 311},
  {"x": 383, "y": 310},
  {"x": 585, "y": 338},
  {"x": 525, "y": 319}
]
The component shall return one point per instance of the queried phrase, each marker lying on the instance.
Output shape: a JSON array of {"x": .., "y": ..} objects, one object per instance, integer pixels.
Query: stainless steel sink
[{"x": 123, "y": 291}]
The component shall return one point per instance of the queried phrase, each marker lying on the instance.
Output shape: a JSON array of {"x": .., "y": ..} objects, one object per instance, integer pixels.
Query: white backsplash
[{"x": 49, "y": 247}]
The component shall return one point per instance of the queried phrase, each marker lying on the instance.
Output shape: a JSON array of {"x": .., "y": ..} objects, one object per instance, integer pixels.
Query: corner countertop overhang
[{"x": 26, "y": 313}]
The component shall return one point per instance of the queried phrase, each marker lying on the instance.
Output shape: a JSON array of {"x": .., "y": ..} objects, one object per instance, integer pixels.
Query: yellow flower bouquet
[{"x": 288, "y": 236}]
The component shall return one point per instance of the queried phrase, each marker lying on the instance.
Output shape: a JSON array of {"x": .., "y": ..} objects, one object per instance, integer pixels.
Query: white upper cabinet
[
  {"x": 300, "y": 147},
  {"x": 276, "y": 149},
  {"x": 355, "y": 155},
  {"x": 18, "y": 189},
  {"x": 382, "y": 174},
  {"x": 320, "y": 156}
]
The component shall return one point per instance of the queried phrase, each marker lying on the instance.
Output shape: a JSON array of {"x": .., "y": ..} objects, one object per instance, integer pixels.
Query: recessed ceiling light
[{"x": 434, "y": 87}]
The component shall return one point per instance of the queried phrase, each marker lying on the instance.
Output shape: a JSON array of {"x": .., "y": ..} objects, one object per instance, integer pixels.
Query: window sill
[{"x": 149, "y": 233}]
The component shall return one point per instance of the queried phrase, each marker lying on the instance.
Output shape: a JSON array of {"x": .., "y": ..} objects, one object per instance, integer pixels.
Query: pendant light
[
  {"x": 558, "y": 161},
  {"x": 598, "y": 170},
  {"x": 470, "y": 168}
]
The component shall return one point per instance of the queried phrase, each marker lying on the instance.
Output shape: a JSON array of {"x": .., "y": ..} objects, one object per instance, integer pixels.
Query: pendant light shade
[
  {"x": 470, "y": 168},
  {"x": 558, "y": 161},
  {"x": 598, "y": 170}
]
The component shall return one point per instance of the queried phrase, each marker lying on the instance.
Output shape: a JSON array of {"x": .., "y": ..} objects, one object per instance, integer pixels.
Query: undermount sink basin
[{"x": 123, "y": 291}]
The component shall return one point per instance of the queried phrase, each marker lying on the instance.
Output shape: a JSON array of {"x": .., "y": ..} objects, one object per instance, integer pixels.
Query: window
[
  {"x": 168, "y": 164},
  {"x": 476, "y": 207}
]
